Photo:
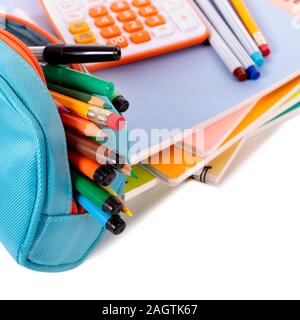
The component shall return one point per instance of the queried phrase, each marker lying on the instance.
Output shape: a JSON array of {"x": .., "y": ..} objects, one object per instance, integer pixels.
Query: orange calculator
[{"x": 142, "y": 28}]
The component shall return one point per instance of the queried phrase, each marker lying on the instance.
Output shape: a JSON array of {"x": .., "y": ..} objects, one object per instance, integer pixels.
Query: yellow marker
[
  {"x": 125, "y": 208},
  {"x": 79, "y": 27},
  {"x": 251, "y": 26},
  {"x": 85, "y": 38}
]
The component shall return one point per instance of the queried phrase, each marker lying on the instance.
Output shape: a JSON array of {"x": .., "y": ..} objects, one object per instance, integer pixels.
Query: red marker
[{"x": 251, "y": 26}]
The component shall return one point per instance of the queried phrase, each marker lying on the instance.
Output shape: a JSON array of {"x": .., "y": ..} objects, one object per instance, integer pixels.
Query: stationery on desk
[{"x": 170, "y": 91}]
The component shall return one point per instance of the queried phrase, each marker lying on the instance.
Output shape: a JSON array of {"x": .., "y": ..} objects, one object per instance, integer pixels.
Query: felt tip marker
[
  {"x": 95, "y": 193},
  {"x": 251, "y": 26},
  {"x": 120, "y": 103},
  {"x": 94, "y": 151},
  {"x": 224, "y": 52},
  {"x": 233, "y": 43},
  {"x": 113, "y": 223},
  {"x": 71, "y": 54},
  {"x": 77, "y": 80},
  {"x": 240, "y": 31},
  {"x": 100, "y": 174}
]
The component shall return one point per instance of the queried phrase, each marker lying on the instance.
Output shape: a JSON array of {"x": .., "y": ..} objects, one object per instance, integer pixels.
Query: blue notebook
[{"x": 183, "y": 89}]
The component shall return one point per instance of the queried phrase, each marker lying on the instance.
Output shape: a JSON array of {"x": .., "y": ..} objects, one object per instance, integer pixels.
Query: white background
[{"x": 239, "y": 240}]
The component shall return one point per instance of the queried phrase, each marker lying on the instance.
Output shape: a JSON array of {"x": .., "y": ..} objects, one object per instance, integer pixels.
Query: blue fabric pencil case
[{"x": 35, "y": 186}]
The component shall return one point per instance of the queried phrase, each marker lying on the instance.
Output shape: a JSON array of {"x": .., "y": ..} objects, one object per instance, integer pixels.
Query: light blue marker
[
  {"x": 112, "y": 223},
  {"x": 240, "y": 31}
]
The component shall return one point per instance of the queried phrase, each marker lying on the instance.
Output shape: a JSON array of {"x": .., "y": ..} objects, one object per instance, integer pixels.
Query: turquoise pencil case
[{"x": 36, "y": 226}]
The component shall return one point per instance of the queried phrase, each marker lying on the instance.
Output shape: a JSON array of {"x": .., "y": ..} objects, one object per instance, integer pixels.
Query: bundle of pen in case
[{"x": 85, "y": 105}]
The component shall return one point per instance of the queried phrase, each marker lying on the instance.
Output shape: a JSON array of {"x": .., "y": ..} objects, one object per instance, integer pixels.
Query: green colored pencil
[{"x": 79, "y": 95}]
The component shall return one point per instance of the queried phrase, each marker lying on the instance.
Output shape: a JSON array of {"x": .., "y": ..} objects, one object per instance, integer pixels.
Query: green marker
[
  {"x": 77, "y": 80},
  {"x": 95, "y": 193},
  {"x": 79, "y": 95},
  {"x": 119, "y": 102}
]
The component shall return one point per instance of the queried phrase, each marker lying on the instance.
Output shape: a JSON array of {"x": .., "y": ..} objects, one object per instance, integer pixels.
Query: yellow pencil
[
  {"x": 251, "y": 26},
  {"x": 125, "y": 208},
  {"x": 95, "y": 114}
]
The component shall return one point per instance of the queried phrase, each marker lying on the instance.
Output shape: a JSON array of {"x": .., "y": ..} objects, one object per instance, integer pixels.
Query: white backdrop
[{"x": 240, "y": 240}]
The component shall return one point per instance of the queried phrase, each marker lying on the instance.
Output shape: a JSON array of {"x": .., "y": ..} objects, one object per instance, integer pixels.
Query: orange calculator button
[
  {"x": 140, "y": 37},
  {"x": 148, "y": 11},
  {"x": 126, "y": 16},
  {"x": 79, "y": 27},
  {"x": 120, "y": 41},
  {"x": 155, "y": 21},
  {"x": 133, "y": 26},
  {"x": 104, "y": 21},
  {"x": 110, "y": 32},
  {"x": 141, "y": 3},
  {"x": 99, "y": 11},
  {"x": 85, "y": 38},
  {"x": 119, "y": 6}
]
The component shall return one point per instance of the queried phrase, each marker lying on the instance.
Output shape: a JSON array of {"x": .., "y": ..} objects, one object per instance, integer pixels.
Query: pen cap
[
  {"x": 116, "y": 225},
  {"x": 112, "y": 205},
  {"x": 104, "y": 176},
  {"x": 120, "y": 103},
  {"x": 68, "y": 54},
  {"x": 116, "y": 160}
]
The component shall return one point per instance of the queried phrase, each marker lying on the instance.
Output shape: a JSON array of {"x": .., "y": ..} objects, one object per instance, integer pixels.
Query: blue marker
[
  {"x": 240, "y": 31},
  {"x": 253, "y": 73},
  {"x": 112, "y": 223}
]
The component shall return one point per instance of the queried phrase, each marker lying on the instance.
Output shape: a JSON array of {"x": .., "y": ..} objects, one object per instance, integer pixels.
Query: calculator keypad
[{"x": 136, "y": 26}]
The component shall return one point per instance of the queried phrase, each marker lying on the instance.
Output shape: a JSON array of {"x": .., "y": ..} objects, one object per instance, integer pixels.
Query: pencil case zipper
[{"x": 18, "y": 46}]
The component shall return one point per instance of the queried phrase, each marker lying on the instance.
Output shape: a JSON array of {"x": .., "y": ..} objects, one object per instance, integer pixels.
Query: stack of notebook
[{"x": 222, "y": 112}]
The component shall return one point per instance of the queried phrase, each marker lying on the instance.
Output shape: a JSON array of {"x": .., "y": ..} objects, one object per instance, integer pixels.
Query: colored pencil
[
  {"x": 251, "y": 26},
  {"x": 81, "y": 96},
  {"x": 100, "y": 174},
  {"x": 95, "y": 114},
  {"x": 62, "y": 53},
  {"x": 93, "y": 150},
  {"x": 82, "y": 126},
  {"x": 128, "y": 171}
]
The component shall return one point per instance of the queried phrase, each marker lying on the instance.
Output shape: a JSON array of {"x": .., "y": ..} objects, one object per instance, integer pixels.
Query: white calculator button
[
  {"x": 172, "y": 4},
  {"x": 184, "y": 19},
  {"x": 93, "y": 3},
  {"x": 68, "y": 6},
  {"x": 162, "y": 31},
  {"x": 73, "y": 16}
]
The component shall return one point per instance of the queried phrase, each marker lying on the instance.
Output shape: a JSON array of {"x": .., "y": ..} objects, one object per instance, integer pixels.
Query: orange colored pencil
[
  {"x": 82, "y": 126},
  {"x": 97, "y": 173}
]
